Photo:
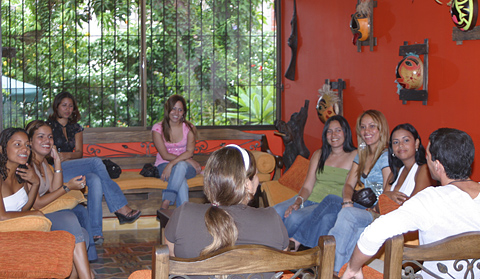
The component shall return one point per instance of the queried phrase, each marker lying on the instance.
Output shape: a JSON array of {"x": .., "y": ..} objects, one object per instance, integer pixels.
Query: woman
[
  {"x": 52, "y": 187},
  {"x": 199, "y": 229},
  {"x": 68, "y": 138},
  {"x": 327, "y": 171},
  {"x": 174, "y": 139},
  {"x": 370, "y": 168},
  {"x": 19, "y": 183},
  {"x": 406, "y": 156}
]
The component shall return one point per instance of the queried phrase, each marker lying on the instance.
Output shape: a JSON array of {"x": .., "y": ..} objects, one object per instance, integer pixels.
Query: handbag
[
  {"x": 113, "y": 169},
  {"x": 365, "y": 197},
  {"x": 149, "y": 170}
]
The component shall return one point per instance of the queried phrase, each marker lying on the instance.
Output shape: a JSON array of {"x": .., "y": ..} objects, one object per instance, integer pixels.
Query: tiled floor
[{"x": 124, "y": 252}]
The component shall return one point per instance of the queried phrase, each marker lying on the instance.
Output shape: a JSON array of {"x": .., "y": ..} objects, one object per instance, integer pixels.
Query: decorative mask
[
  {"x": 360, "y": 26},
  {"x": 464, "y": 13},
  {"x": 327, "y": 104},
  {"x": 409, "y": 72}
]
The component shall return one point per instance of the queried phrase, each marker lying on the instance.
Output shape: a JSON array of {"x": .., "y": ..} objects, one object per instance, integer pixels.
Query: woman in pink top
[{"x": 174, "y": 139}]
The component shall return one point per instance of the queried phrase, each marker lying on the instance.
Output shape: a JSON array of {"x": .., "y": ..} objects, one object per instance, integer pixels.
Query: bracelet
[
  {"x": 298, "y": 196},
  {"x": 58, "y": 171},
  {"x": 65, "y": 187},
  {"x": 347, "y": 202}
]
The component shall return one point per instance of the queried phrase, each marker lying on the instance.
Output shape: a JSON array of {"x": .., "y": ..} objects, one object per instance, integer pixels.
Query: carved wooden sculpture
[{"x": 292, "y": 135}]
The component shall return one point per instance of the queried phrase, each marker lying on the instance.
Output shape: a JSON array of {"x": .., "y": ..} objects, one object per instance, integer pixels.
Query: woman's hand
[
  {"x": 166, "y": 172},
  {"x": 396, "y": 196},
  {"x": 290, "y": 209},
  {"x": 194, "y": 164},
  {"x": 28, "y": 174},
  {"x": 76, "y": 183}
]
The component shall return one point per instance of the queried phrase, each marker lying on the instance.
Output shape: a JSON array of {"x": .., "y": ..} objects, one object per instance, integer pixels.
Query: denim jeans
[
  {"x": 177, "y": 188},
  {"x": 99, "y": 184},
  {"x": 350, "y": 224},
  {"x": 65, "y": 220},
  {"x": 320, "y": 221},
  {"x": 82, "y": 216},
  {"x": 297, "y": 217}
]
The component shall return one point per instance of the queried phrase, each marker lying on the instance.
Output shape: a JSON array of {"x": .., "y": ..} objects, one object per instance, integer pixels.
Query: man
[{"x": 436, "y": 212}]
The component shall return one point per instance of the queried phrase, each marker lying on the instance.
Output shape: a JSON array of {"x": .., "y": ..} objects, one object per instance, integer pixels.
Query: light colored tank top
[
  {"x": 16, "y": 201},
  {"x": 409, "y": 184},
  {"x": 44, "y": 181}
]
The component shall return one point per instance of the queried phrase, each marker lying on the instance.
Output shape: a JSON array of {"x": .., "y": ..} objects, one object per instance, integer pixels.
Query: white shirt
[{"x": 436, "y": 212}]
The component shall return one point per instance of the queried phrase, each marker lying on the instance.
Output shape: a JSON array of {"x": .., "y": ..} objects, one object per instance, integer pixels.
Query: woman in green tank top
[{"x": 326, "y": 175}]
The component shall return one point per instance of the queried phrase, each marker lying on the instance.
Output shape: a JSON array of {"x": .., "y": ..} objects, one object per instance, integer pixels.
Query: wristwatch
[{"x": 66, "y": 188}]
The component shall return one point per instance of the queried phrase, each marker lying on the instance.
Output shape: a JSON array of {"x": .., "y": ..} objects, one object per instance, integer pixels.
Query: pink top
[{"x": 176, "y": 148}]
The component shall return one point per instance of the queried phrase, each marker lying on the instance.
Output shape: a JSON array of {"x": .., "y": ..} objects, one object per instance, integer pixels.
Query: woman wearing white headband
[{"x": 229, "y": 184}]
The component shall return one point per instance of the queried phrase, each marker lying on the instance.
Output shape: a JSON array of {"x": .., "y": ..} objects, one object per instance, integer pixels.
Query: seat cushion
[
  {"x": 26, "y": 223},
  {"x": 36, "y": 254},
  {"x": 276, "y": 192},
  {"x": 294, "y": 177}
]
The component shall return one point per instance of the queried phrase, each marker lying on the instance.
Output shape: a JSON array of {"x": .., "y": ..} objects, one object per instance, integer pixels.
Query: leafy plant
[{"x": 254, "y": 106}]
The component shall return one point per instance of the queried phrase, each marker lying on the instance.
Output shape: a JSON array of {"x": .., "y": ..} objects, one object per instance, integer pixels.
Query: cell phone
[{"x": 22, "y": 166}]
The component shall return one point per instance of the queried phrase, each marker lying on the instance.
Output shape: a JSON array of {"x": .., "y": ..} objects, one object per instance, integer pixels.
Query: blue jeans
[
  {"x": 65, "y": 220},
  {"x": 297, "y": 217},
  {"x": 320, "y": 221},
  {"x": 177, "y": 188},
  {"x": 82, "y": 216},
  {"x": 99, "y": 184},
  {"x": 350, "y": 224}
]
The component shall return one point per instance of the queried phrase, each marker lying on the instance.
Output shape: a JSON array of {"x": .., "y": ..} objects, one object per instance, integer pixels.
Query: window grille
[{"x": 221, "y": 55}]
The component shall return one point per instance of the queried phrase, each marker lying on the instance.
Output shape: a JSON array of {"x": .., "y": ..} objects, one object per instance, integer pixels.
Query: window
[{"x": 123, "y": 59}]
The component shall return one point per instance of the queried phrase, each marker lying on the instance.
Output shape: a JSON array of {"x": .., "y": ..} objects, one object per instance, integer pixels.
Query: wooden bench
[{"x": 132, "y": 148}]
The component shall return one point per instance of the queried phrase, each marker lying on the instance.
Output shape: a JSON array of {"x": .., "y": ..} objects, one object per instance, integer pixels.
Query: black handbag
[
  {"x": 150, "y": 170},
  {"x": 365, "y": 197},
  {"x": 113, "y": 169}
]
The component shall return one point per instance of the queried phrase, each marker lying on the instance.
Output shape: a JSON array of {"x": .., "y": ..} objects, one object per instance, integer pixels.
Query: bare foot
[{"x": 165, "y": 204}]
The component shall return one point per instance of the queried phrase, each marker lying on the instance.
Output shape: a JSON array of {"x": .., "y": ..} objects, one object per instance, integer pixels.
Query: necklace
[{"x": 461, "y": 180}]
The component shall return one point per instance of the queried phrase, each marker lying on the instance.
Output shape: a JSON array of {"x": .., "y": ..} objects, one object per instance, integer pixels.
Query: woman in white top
[
  {"x": 18, "y": 183},
  {"x": 406, "y": 158}
]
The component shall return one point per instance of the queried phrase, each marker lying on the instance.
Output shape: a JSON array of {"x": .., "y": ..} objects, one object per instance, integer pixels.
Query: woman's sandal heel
[{"x": 125, "y": 219}]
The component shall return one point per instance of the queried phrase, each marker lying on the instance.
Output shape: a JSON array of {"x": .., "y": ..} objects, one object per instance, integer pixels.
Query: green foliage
[
  {"x": 198, "y": 51},
  {"x": 254, "y": 106}
]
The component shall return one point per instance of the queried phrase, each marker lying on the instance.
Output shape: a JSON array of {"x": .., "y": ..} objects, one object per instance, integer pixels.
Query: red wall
[{"x": 326, "y": 52}]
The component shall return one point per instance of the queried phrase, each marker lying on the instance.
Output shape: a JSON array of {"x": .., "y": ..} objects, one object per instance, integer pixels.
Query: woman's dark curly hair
[{"x": 5, "y": 136}]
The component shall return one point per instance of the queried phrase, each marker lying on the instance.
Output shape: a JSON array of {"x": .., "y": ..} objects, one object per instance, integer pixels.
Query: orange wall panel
[{"x": 326, "y": 52}]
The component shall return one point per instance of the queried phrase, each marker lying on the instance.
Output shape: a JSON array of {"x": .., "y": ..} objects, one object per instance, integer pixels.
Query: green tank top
[{"x": 330, "y": 181}]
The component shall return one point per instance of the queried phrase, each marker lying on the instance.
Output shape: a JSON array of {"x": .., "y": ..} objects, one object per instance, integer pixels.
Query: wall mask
[
  {"x": 409, "y": 72},
  {"x": 327, "y": 104}
]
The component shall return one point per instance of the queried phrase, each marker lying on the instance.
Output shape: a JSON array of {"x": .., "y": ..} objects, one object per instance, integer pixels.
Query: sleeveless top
[
  {"x": 409, "y": 184},
  {"x": 64, "y": 144},
  {"x": 176, "y": 148},
  {"x": 44, "y": 181},
  {"x": 374, "y": 178},
  {"x": 16, "y": 201},
  {"x": 330, "y": 181}
]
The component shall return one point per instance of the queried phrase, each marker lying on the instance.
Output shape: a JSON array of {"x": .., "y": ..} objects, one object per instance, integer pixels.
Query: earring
[
  {"x": 362, "y": 145},
  {"x": 393, "y": 154},
  {"x": 416, "y": 150}
]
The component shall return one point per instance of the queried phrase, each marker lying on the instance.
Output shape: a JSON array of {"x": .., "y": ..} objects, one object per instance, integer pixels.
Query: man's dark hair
[{"x": 454, "y": 149}]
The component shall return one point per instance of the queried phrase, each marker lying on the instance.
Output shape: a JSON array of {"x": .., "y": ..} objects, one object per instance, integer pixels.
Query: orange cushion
[
  {"x": 386, "y": 204},
  {"x": 36, "y": 254},
  {"x": 276, "y": 192},
  {"x": 141, "y": 274},
  {"x": 294, "y": 177}
]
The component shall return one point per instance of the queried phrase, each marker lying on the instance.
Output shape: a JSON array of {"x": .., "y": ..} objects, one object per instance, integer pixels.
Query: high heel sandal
[{"x": 128, "y": 218}]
